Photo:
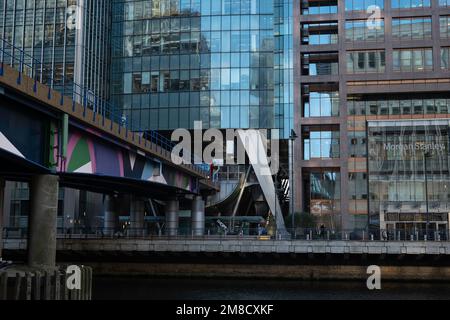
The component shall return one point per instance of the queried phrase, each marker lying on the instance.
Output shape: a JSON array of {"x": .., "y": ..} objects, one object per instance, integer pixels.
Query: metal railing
[
  {"x": 213, "y": 233},
  {"x": 27, "y": 65}
]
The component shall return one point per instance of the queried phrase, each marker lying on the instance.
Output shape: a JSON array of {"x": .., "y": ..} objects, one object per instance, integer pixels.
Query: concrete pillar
[
  {"x": 110, "y": 216},
  {"x": 198, "y": 216},
  {"x": 172, "y": 209},
  {"x": 42, "y": 221},
  {"x": 137, "y": 214},
  {"x": 2, "y": 197}
]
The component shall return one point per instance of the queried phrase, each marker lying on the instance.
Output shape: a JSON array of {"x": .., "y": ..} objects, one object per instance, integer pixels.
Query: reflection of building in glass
[
  {"x": 70, "y": 38},
  {"x": 408, "y": 167},
  {"x": 176, "y": 62}
]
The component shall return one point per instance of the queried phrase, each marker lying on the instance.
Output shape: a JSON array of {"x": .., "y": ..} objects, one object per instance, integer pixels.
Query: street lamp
[
  {"x": 292, "y": 139},
  {"x": 425, "y": 156}
]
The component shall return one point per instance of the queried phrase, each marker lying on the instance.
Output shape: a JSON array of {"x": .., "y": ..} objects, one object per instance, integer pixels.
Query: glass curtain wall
[
  {"x": 180, "y": 61},
  {"x": 71, "y": 43}
]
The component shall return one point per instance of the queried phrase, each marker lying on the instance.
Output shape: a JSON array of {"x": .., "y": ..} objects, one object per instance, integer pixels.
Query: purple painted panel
[{"x": 107, "y": 160}]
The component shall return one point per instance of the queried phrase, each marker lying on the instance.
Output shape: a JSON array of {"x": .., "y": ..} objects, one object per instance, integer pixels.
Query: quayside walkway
[{"x": 244, "y": 246}]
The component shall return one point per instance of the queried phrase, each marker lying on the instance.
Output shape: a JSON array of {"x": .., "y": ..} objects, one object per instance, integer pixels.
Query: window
[
  {"x": 444, "y": 23},
  {"x": 406, "y": 106},
  {"x": 445, "y": 58},
  {"x": 413, "y": 60},
  {"x": 362, "y": 5},
  {"x": 404, "y": 4},
  {"x": 321, "y": 104},
  {"x": 358, "y": 31},
  {"x": 321, "y": 145},
  {"x": 366, "y": 61},
  {"x": 320, "y": 7},
  {"x": 320, "y": 64},
  {"x": 322, "y": 196},
  {"x": 411, "y": 28},
  {"x": 319, "y": 33}
]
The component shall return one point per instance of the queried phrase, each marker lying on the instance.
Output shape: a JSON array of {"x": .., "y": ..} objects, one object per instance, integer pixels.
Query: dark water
[{"x": 215, "y": 289}]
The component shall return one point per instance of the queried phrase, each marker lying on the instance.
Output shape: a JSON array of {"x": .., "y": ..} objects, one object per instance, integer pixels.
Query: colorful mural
[
  {"x": 89, "y": 154},
  {"x": 38, "y": 139}
]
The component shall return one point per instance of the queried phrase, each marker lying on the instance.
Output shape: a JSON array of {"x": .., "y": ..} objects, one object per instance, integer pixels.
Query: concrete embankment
[{"x": 299, "y": 272}]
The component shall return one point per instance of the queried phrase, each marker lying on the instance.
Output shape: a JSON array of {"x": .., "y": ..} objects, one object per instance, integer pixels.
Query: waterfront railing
[{"x": 305, "y": 234}]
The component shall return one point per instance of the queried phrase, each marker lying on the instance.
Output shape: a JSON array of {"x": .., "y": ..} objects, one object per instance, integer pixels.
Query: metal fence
[
  {"x": 42, "y": 285},
  {"x": 40, "y": 73},
  {"x": 241, "y": 234}
]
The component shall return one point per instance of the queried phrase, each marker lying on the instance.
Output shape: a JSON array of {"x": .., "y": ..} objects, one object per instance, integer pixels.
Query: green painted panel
[{"x": 80, "y": 156}]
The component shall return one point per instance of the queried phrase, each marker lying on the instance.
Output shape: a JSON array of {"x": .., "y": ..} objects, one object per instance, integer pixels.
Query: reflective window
[
  {"x": 445, "y": 58},
  {"x": 362, "y": 5},
  {"x": 209, "y": 61},
  {"x": 366, "y": 61},
  {"x": 321, "y": 104},
  {"x": 419, "y": 105},
  {"x": 319, "y": 33},
  {"x": 404, "y": 4},
  {"x": 411, "y": 28},
  {"x": 444, "y": 26},
  {"x": 413, "y": 60},
  {"x": 321, "y": 145},
  {"x": 359, "y": 31},
  {"x": 319, "y": 7}
]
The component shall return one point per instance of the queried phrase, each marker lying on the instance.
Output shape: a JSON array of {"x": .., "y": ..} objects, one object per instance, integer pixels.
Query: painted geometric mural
[
  {"x": 89, "y": 154},
  {"x": 22, "y": 133},
  {"x": 35, "y": 138}
]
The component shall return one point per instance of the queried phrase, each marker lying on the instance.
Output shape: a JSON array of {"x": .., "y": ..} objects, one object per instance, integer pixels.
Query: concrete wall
[{"x": 297, "y": 272}]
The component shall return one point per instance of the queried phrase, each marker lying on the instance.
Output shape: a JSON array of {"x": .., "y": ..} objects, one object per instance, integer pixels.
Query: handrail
[{"x": 35, "y": 69}]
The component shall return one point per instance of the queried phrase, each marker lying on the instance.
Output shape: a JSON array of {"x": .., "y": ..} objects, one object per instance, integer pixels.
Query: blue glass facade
[
  {"x": 226, "y": 63},
  {"x": 60, "y": 51}
]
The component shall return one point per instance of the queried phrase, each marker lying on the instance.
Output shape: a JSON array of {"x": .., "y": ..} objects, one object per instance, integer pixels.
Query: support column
[
  {"x": 172, "y": 209},
  {"x": 198, "y": 216},
  {"x": 110, "y": 217},
  {"x": 2, "y": 204},
  {"x": 42, "y": 221},
  {"x": 137, "y": 213}
]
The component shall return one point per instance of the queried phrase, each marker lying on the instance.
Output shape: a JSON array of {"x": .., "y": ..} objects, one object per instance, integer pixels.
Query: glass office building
[
  {"x": 409, "y": 177},
  {"x": 227, "y": 63},
  {"x": 69, "y": 37}
]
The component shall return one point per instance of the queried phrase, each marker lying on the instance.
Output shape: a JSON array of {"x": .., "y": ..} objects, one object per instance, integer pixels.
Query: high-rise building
[
  {"x": 65, "y": 41},
  {"x": 227, "y": 63},
  {"x": 372, "y": 99}
]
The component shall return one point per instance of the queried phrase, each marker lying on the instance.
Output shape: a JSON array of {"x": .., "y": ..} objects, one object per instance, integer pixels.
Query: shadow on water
[{"x": 138, "y": 288}]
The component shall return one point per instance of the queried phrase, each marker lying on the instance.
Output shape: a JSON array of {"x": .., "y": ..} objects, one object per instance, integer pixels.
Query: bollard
[
  {"x": 372, "y": 238},
  {"x": 307, "y": 237},
  {"x": 425, "y": 238},
  {"x": 17, "y": 286},
  {"x": 412, "y": 237},
  {"x": 28, "y": 286},
  {"x": 3, "y": 285}
]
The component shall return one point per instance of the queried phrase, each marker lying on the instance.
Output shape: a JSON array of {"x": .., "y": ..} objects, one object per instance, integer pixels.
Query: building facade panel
[{"x": 380, "y": 60}]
